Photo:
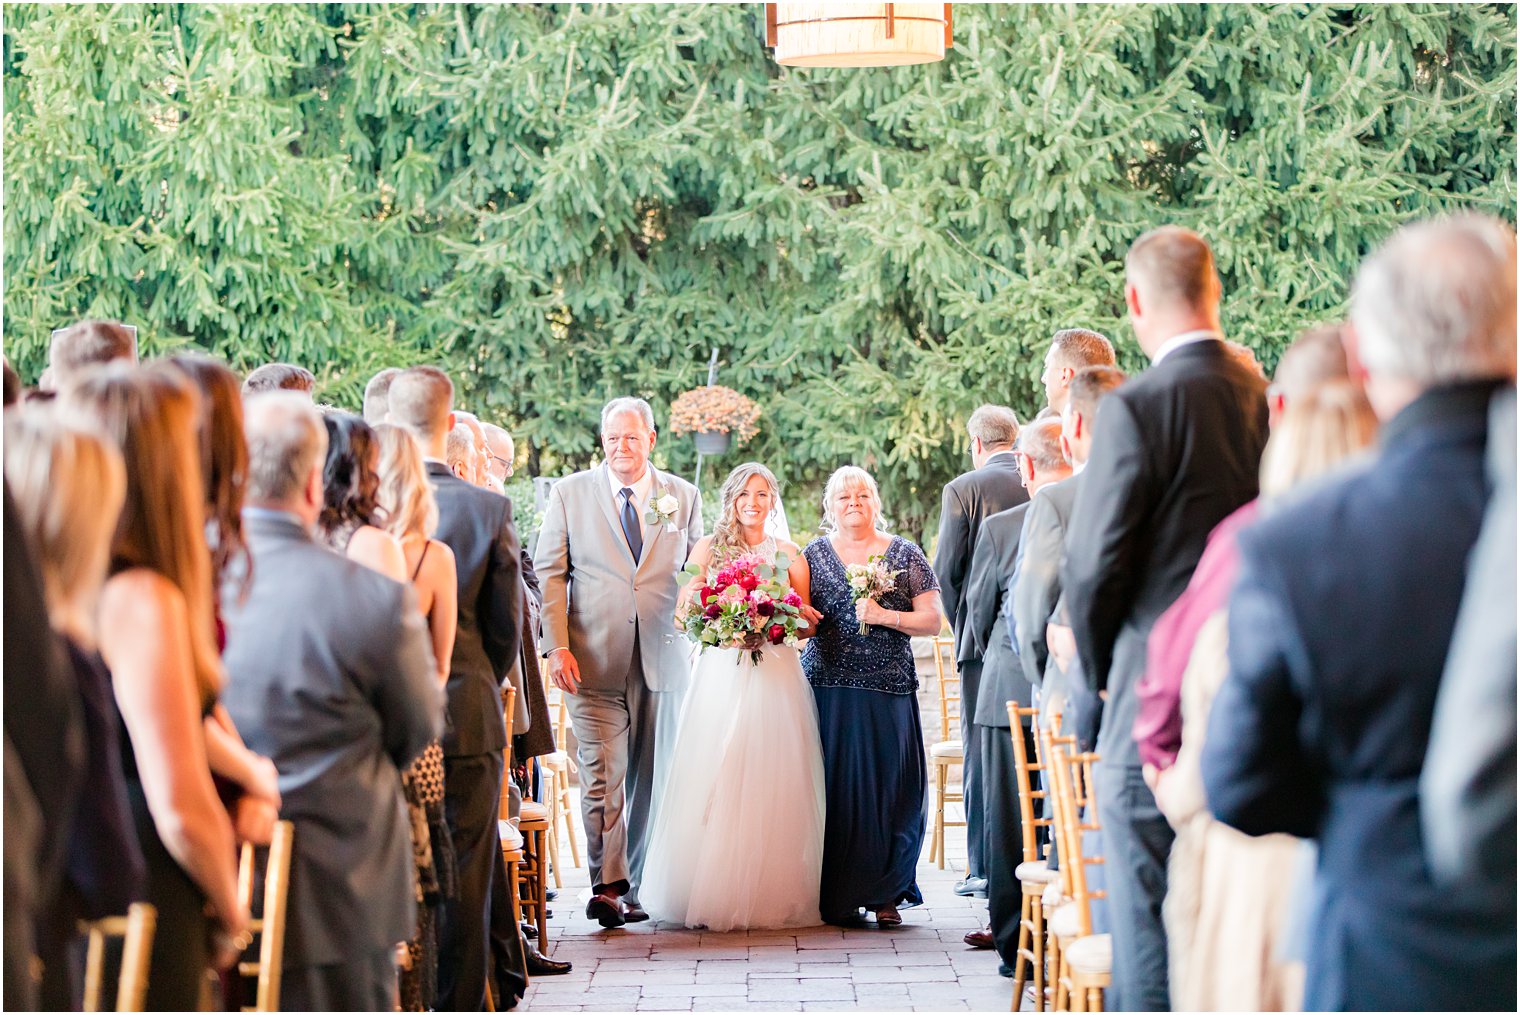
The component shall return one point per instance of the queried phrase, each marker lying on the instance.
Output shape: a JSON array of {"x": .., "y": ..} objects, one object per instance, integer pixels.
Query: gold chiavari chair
[
  {"x": 136, "y": 929},
  {"x": 270, "y": 926},
  {"x": 949, "y": 751}
]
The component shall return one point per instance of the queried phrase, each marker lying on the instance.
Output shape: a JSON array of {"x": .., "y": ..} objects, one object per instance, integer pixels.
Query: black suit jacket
[
  {"x": 968, "y": 500},
  {"x": 1037, "y": 583},
  {"x": 330, "y": 675},
  {"x": 1339, "y": 625},
  {"x": 1174, "y": 451},
  {"x": 997, "y": 549},
  {"x": 477, "y": 525}
]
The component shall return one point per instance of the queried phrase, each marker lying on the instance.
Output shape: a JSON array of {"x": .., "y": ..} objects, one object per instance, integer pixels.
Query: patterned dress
[{"x": 875, "y": 774}]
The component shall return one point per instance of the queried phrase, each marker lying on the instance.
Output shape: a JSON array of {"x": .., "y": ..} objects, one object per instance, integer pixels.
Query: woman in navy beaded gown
[{"x": 875, "y": 775}]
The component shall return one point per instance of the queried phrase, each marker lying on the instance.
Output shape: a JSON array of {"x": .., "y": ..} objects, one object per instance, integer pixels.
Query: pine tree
[{"x": 560, "y": 203}]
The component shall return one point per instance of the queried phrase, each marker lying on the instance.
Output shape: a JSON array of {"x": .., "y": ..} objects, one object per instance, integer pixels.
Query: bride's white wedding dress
[{"x": 738, "y": 837}]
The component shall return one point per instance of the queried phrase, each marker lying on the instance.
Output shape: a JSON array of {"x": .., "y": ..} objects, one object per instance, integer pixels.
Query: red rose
[
  {"x": 704, "y": 594},
  {"x": 777, "y": 634},
  {"x": 748, "y": 581}
]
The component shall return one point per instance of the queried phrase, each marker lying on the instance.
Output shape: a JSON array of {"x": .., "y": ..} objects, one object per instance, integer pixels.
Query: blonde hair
[
  {"x": 849, "y": 477},
  {"x": 728, "y": 534},
  {"x": 1318, "y": 430},
  {"x": 406, "y": 496},
  {"x": 153, "y": 415},
  {"x": 68, "y": 485}
]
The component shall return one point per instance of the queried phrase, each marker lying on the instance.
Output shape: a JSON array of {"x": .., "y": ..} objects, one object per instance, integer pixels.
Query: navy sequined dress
[{"x": 875, "y": 775}]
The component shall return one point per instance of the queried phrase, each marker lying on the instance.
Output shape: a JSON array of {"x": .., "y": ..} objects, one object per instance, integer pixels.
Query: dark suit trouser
[
  {"x": 1137, "y": 841},
  {"x": 1004, "y": 847},
  {"x": 472, "y": 793},
  {"x": 365, "y": 983},
  {"x": 971, "y": 770},
  {"x": 509, "y": 980}
]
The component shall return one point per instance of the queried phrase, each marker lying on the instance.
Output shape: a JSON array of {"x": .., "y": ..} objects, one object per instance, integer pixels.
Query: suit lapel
[
  {"x": 608, "y": 502},
  {"x": 652, "y": 533}
]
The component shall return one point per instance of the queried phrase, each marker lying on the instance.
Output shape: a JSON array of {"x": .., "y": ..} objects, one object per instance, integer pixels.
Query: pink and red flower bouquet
[{"x": 744, "y": 603}]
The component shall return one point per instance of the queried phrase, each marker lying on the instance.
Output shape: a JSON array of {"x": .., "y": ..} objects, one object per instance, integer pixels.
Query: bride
[{"x": 738, "y": 835}]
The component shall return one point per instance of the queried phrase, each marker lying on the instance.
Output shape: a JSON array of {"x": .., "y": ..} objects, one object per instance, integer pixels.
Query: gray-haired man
[{"x": 614, "y": 539}]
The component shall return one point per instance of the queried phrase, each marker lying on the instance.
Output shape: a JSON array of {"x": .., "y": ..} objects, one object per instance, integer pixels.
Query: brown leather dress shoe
[
  {"x": 979, "y": 939},
  {"x": 888, "y": 918}
]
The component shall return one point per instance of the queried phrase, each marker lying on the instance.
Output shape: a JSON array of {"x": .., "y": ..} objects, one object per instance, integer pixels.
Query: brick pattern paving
[{"x": 922, "y": 966}]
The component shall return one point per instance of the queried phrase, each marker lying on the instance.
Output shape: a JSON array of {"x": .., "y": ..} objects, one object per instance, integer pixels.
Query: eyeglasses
[{"x": 506, "y": 463}]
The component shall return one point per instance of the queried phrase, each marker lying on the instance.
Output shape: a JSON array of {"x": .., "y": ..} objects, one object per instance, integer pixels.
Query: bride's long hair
[{"x": 728, "y": 534}]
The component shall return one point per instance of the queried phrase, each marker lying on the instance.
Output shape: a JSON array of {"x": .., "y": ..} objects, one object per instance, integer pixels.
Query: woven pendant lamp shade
[{"x": 857, "y": 34}]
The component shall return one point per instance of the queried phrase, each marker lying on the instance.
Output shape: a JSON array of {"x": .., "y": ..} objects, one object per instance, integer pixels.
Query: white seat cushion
[
  {"x": 1053, "y": 895},
  {"x": 511, "y": 838},
  {"x": 558, "y": 760},
  {"x": 1092, "y": 954},
  {"x": 1035, "y": 872},
  {"x": 946, "y": 749},
  {"x": 1063, "y": 922}
]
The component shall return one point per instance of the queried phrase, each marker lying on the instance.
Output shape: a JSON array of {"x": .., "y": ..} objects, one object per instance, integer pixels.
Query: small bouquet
[
  {"x": 744, "y": 604},
  {"x": 870, "y": 580}
]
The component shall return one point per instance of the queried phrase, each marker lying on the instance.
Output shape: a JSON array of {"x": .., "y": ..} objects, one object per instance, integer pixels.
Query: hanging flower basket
[{"x": 716, "y": 417}]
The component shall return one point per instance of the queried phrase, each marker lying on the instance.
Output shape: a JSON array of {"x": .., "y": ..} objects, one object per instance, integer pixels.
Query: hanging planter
[
  {"x": 711, "y": 442},
  {"x": 716, "y": 417}
]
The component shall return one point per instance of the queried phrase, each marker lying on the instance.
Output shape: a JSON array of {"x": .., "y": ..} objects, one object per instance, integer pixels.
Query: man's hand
[
  {"x": 253, "y": 820},
  {"x": 564, "y": 670},
  {"x": 1062, "y": 645}
]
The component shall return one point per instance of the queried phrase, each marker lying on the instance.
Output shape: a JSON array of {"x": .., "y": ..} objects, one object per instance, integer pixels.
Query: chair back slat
[
  {"x": 137, "y": 929},
  {"x": 1024, "y": 780},
  {"x": 949, "y": 680}
]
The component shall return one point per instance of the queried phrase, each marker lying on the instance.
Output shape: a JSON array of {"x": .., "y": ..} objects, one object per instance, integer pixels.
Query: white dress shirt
[
  {"x": 641, "y": 488},
  {"x": 1186, "y": 338}
]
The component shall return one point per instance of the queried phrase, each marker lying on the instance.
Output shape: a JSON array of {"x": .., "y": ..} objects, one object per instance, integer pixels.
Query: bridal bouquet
[
  {"x": 743, "y": 604},
  {"x": 870, "y": 580}
]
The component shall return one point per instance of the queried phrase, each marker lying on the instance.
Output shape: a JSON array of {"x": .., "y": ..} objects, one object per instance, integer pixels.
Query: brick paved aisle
[{"x": 923, "y": 966}]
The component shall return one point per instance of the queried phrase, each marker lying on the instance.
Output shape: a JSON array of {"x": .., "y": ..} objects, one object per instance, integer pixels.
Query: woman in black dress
[{"x": 873, "y": 752}]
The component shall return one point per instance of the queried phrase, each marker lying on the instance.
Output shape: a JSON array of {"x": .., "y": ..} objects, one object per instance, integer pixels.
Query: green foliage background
[{"x": 560, "y": 203}]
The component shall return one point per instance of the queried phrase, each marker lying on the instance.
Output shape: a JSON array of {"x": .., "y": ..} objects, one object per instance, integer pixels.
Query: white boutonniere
[{"x": 662, "y": 509}]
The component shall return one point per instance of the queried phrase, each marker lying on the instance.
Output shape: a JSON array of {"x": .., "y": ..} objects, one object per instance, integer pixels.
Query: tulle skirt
[{"x": 738, "y": 836}]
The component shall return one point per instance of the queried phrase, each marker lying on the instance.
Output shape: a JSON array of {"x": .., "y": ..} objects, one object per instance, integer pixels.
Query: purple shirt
[{"x": 1158, "y": 727}]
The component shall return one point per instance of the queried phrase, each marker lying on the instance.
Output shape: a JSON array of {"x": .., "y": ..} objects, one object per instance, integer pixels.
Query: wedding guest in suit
[
  {"x": 78, "y": 348},
  {"x": 502, "y": 454},
  {"x": 1348, "y": 577},
  {"x": 1037, "y": 572},
  {"x": 477, "y": 525},
  {"x": 482, "y": 463},
  {"x": 1315, "y": 359},
  {"x": 1467, "y": 788},
  {"x": 459, "y": 454},
  {"x": 613, "y": 540},
  {"x": 330, "y": 675},
  {"x": 875, "y": 773},
  {"x": 279, "y": 377},
  {"x": 991, "y": 486},
  {"x": 1072, "y": 349},
  {"x": 1003, "y": 680},
  {"x": 1228, "y": 895},
  {"x": 69, "y": 486},
  {"x": 158, "y": 640},
  {"x": 377, "y": 393},
  {"x": 1175, "y": 451},
  {"x": 351, "y": 498}
]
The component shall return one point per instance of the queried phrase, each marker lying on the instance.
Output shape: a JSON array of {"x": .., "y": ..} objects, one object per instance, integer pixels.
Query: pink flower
[{"x": 792, "y": 599}]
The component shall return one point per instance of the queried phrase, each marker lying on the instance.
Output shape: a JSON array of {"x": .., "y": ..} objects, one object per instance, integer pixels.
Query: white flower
[{"x": 667, "y": 504}]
